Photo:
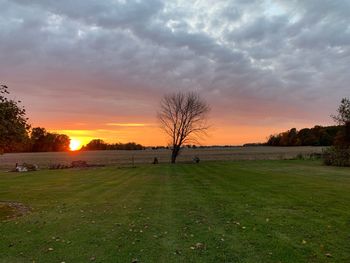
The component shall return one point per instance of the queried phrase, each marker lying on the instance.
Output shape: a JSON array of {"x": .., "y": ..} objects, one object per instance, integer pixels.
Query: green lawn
[{"x": 247, "y": 211}]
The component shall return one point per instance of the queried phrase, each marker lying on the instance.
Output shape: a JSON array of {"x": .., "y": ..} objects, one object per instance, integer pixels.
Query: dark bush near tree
[{"x": 336, "y": 156}]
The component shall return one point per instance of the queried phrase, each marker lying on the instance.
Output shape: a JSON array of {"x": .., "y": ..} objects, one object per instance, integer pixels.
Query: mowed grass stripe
[
  {"x": 272, "y": 201},
  {"x": 210, "y": 222},
  {"x": 253, "y": 211}
]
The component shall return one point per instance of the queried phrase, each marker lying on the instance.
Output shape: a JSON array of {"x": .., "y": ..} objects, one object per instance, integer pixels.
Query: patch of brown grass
[{"x": 11, "y": 210}]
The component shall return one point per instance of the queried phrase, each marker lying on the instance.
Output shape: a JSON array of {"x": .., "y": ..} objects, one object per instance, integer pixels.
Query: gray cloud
[{"x": 253, "y": 61}]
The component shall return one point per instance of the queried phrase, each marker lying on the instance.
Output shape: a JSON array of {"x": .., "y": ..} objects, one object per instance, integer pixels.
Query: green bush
[{"x": 337, "y": 156}]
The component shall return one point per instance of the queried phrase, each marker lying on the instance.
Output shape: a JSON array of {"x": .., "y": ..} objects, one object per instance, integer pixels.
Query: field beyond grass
[
  {"x": 125, "y": 158},
  {"x": 246, "y": 211}
]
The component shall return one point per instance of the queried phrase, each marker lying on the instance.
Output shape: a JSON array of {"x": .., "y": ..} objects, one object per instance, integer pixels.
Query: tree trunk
[{"x": 174, "y": 154}]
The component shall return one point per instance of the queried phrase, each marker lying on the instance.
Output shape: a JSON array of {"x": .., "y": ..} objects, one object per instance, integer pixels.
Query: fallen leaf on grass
[{"x": 197, "y": 246}]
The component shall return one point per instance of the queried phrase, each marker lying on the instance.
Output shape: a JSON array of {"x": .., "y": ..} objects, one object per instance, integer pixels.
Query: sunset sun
[{"x": 74, "y": 145}]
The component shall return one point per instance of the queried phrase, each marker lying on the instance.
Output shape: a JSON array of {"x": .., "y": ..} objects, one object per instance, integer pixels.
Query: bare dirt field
[{"x": 43, "y": 160}]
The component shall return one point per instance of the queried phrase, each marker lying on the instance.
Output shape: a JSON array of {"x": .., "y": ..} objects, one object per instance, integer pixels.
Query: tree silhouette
[
  {"x": 339, "y": 155},
  {"x": 183, "y": 117},
  {"x": 343, "y": 112},
  {"x": 343, "y": 119},
  {"x": 13, "y": 123},
  {"x": 43, "y": 141}
]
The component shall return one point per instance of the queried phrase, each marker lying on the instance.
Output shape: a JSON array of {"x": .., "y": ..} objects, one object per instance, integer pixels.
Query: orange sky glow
[
  {"x": 152, "y": 135},
  {"x": 245, "y": 124}
]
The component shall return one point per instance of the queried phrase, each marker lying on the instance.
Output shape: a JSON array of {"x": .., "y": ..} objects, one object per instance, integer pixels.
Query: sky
[{"x": 98, "y": 69}]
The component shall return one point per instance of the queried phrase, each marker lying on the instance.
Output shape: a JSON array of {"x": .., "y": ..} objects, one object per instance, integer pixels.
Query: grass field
[
  {"x": 247, "y": 211},
  {"x": 8, "y": 161}
]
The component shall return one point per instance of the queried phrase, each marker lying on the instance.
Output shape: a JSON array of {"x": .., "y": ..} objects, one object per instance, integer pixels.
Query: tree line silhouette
[
  {"x": 316, "y": 136},
  {"x": 43, "y": 141},
  {"x": 100, "y": 145}
]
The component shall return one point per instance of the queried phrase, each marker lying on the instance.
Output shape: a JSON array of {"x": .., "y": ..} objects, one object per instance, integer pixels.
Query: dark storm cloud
[{"x": 253, "y": 60}]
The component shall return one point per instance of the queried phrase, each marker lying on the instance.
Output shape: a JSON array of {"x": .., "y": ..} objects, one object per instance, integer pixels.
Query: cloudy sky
[{"x": 96, "y": 68}]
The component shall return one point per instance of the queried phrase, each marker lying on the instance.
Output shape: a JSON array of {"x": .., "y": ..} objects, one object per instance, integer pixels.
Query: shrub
[
  {"x": 337, "y": 156},
  {"x": 300, "y": 156}
]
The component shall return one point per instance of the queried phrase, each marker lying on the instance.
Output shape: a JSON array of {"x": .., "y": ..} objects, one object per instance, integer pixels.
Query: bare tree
[{"x": 183, "y": 117}]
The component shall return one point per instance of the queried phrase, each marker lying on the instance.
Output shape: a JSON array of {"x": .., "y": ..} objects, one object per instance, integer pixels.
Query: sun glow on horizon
[
  {"x": 126, "y": 124},
  {"x": 75, "y": 145}
]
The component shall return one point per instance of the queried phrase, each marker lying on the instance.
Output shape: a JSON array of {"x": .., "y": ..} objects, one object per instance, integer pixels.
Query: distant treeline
[
  {"x": 100, "y": 145},
  {"x": 316, "y": 136},
  {"x": 43, "y": 141},
  {"x": 193, "y": 146},
  {"x": 254, "y": 144},
  {"x": 39, "y": 140}
]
